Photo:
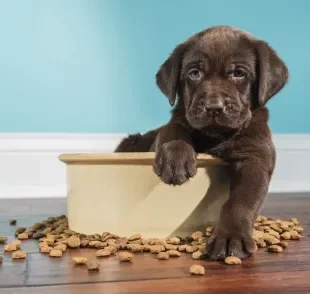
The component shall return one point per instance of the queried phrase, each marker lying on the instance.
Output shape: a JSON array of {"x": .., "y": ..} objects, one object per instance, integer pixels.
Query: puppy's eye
[
  {"x": 195, "y": 74},
  {"x": 238, "y": 74}
]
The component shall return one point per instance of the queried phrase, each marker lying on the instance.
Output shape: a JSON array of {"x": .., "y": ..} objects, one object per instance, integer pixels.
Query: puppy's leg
[
  {"x": 138, "y": 142},
  {"x": 175, "y": 160},
  {"x": 233, "y": 234}
]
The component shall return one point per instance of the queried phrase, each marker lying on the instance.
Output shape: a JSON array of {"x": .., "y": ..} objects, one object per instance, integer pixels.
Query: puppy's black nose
[{"x": 214, "y": 107}]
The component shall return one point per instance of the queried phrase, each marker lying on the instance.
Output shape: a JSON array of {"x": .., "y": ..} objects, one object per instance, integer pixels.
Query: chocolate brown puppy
[{"x": 221, "y": 78}]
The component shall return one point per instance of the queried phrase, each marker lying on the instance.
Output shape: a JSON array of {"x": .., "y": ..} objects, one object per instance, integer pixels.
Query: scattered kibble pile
[{"x": 54, "y": 238}]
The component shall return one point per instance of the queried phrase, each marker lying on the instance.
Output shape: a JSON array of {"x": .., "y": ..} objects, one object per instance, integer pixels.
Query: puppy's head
[{"x": 220, "y": 75}]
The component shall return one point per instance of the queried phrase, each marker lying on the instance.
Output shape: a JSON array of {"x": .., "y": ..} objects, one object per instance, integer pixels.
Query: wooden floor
[{"x": 265, "y": 273}]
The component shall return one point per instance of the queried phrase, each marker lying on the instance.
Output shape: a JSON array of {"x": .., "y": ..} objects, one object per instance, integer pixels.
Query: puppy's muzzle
[{"x": 214, "y": 106}]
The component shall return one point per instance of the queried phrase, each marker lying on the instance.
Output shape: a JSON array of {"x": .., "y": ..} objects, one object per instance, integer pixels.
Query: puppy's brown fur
[{"x": 223, "y": 78}]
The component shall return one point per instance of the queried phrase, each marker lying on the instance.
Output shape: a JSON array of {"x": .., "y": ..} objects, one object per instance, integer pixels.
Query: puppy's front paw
[
  {"x": 225, "y": 243},
  {"x": 175, "y": 162}
]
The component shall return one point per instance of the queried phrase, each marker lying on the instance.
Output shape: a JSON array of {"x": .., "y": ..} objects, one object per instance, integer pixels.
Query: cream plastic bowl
[{"x": 120, "y": 193}]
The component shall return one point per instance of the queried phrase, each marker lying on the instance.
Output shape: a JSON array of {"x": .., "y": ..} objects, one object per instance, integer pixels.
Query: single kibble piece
[
  {"x": 114, "y": 248},
  {"x": 171, "y": 247},
  {"x": 135, "y": 237},
  {"x": 295, "y": 235},
  {"x": 298, "y": 229},
  {"x": 74, "y": 242},
  {"x": 56, "y": 253},
  {"x": 10, "y": 247},
  {"x": 62, "y": 247},
  {"x": 276, "y": 228},
  {"x": 20, "y": 230},
  {"x": 182, "y": 248},
  {"x": 208, "y": 234},
  {"x": 261, "y": 243},
  {"x": 284, "y": 244},
  {"x": 163, "y": 255},
  {"x": 79, "y": 260},
  {"x": 157, "y": 248},
  {"x": 136, "y": 248},
  {"x": 3, "y": 240},
  {"x": 209, "y": 229},
  {"x": 38, "y": 235},
  {"x": 174, "y": 241},
  {"x": 84, "y": 243},
  {"x": 197, "y": 270},
  {"x": 17, "y": 243},
  {"x": 19, "y": 254},
  {"x": 146, "y": 248},
  {"x": 285, "y": 236},
  {"x": 274, "y": 233},
  {"x": 197, "y": 255},
  {"x": 275, "y": 249},
  {"x": 197, "y": 235},
  {"x": 23, "y": 236},
  {"x": 270, "y": 240},
  {"x": 294, "y": 220},
  {"x": 46, "y": 249},
  {"x": 232, "y": 260},
  {"x": 101, "y": 245},
  {"x": 174, "y": 253},
  {"x": 103, "y": 253},
  {"x": 125, "y": 256},
  {"x": 93, "y": 265},
  {"x": 12, "y": 222},
  {"x": 93, "y": 244},
  {"x": 191, "y": 249}
]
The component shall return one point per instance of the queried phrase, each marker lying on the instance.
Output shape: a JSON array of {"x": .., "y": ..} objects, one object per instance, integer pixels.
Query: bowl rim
[{"x": 130, "y": 158}]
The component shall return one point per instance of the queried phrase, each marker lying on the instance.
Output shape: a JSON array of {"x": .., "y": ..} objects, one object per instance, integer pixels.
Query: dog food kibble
[
  {"x": 283, "y": 244},
  {"x": 93, "y": 244},
  {"x": 197, "y": 235},
  {"x": 55, "y": 253},
  {"x": 125, "y": 256},
  {"x": 191, "y": 249},
  {"x": 38, "y": 235},
  {"x": 182, "y": 248},
  {"x": 270, "y": 240},
  {"x": 136, "y": 248},
  {"x": 275, "y": 249},
  {"x": 46, "y": 249},
  {"x": 74, "y": 242},
  {"x": 171, "y": 247},
  {"x": 163, "y": 255},
  {"x": 3, "y": 240},
  {"x": 79, "y": 260},
  {"x": 285, "y": 236},
  {"x": 17, "y": 243},
  {"x": 1, "y": 259},
  {"x": 23, "y": 236},
  {"x": 295, "y": 235},
  {"x": 174, "y": 253},
  {"x": 197, "y": 270},
  {"x": 157, "y": 248},
  {"x": 19, "y": 254},
  {"x": 93, "y": 265},
  {"x": 298, "y": 229},
  {"x": 84, "y": 243},
  {"x": 197, "y": 255},
  {"x": 276, "y": 228},
  {"x": 103, "y": 253},
  {"x": 12, "y": 222},
  {"x": 10, "y": 247},
  {"x": 294, "y": 220},
  {"x": 62, "y": 247},
  {"x": 232, "y": 260},
  {"x": 273, "y": 233},
  {"x": 135, "y": 237},
  {"x": 261, "y": 243},
  {"x": 174, "y": 241},
  {"x": 20, "y": 230}
]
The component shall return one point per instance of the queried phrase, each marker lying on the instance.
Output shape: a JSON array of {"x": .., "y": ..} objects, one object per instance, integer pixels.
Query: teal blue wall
[{"x": 89, "y": 66}]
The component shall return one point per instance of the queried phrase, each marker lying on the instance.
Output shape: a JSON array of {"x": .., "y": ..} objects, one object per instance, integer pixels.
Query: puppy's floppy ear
[
  {"x": 167, "y": 77},
  {"x": 272, "y": 72}
]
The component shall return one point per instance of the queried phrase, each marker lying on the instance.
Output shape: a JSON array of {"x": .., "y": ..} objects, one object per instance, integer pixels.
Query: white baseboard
[{"x": 29, "y": 167}]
